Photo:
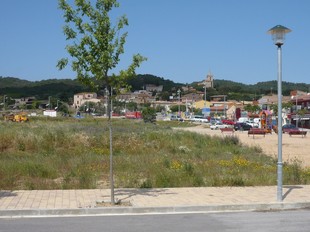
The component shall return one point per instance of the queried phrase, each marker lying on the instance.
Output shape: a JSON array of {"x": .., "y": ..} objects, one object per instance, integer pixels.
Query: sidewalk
[{"x": 166, "y": 200}]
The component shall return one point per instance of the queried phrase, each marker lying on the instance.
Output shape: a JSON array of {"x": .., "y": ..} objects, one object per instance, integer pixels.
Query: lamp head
[{"x": 278, "y": 34}]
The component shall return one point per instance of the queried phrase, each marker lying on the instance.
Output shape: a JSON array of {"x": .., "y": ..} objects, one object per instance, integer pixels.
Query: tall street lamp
[
  {"x": 49, "y": 102},
  {"x": 225, "y": 115},
  {"x": 278, "y": 35},
  {"x": 4, "y": 97},
  {"x": 57, "y": 105},
  {"x": 205, "y": 87}
]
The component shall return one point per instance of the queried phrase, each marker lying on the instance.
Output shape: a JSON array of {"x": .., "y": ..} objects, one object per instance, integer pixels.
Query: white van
[
  {"x": 253, "y": 122},
  {"x": 257, "y": 120},
  {"x": 243, "y": 119},
  {"x": 198, "y": 118}
]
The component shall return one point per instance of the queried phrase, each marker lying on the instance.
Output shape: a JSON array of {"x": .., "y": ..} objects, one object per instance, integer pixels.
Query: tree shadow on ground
[
  {"x": 290, "y": 189},
  {"x": 127, "y": 193},
  {"x": 4, "y": 193}
]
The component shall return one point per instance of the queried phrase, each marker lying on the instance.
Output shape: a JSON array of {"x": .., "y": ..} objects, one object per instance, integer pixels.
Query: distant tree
[
  {"x": 132, "y": 106},
  {"x": 252, "y": 108},
  {"x": 287, "y": 105},
  {"x": 160, "y": 108},
  {"x": 149, "y": 114},
  {"x": 63, "y": 108},
  {"x": 35, "y": 105},
  {"x": 164, "y": 96},
  {"x": 88, "y": 107},
  {"x": 301, "y": 113},
  {"x": 274, "y": 107},
  {"x": 175, "y": 108}
]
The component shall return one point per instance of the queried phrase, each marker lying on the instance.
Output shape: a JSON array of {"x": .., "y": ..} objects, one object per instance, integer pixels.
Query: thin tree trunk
[{"x": 109, "y": 111}]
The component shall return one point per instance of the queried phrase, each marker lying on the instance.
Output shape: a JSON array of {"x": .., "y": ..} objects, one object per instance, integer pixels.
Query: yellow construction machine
[{"x": 20, "y": 117}]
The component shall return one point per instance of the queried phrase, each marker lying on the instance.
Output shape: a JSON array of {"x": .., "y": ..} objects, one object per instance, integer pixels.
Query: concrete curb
[{"x": 151, "y": 210}]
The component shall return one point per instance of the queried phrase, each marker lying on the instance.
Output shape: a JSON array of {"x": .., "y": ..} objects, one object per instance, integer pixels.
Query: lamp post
[
  {"x": 205, "y": 87},
  {"x": 296, "y": 110},
  {"x": 179, "y": 92},
  {"x": 192, "y": 103},
  {"x": 49, "y": 102},
  {"x": 296, "y": 102},
  {"x": 57, "y": 106},
  {"x": 278, "y": 35},
  {"x": 225, "y": 116},
  {"x": 4, "y": 97}
]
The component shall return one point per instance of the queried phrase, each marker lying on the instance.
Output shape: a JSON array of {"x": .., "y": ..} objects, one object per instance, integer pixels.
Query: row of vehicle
[
  {"x": 199, "y": 118},
  {"x": 195, "y": 118},
  {"x": 242, "y": 126},
  {"x": 237, "y": 126},
  {"x": 216, "y": 124},
  {"x": 254, "y": 122},
  {"x": 287, "y": 128},
  {"x": 176, "y": 118}
]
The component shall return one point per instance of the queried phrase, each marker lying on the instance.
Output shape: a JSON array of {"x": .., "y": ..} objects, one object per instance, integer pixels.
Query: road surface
[{"x": 288, "y": 221}]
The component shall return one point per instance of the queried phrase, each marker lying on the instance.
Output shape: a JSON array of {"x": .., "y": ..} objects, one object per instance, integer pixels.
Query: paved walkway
[{"x": 167, "y": 200}]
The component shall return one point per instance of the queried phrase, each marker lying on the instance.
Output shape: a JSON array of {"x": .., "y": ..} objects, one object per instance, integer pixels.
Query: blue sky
[{"x": 183, "y": 40}]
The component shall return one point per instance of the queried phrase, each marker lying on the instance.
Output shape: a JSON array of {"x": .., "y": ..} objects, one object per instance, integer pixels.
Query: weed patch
[{"x": 70, "y": 154}]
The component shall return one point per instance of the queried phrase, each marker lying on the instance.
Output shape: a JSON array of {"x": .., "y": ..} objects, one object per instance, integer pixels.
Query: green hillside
[{"x": 66, "y": 88}]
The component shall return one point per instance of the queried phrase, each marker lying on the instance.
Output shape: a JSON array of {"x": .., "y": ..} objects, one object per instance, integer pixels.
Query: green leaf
[
  {"x": 62, "y": 63},
  {"x": 96, "y": 42}
]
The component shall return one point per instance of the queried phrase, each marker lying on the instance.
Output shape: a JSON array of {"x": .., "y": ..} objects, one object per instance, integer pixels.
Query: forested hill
[
  {"x": 260, "y": 87},
  {"x": 60, "y": 88},
  {"x": 142, "y": 79},
  {"x": 7, "y": 82},
  {"x": 66, "y": 88}
]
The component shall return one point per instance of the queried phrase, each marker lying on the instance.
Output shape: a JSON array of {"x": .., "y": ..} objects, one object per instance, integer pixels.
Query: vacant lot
[
  {"x": 293, "y": 147},
  {"x": 67, "y": 153}
]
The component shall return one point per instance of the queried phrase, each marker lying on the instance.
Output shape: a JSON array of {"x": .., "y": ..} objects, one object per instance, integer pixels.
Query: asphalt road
[{"x": 223, "y": 222}]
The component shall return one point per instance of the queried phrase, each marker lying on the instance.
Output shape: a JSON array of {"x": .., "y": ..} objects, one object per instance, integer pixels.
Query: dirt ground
[{"x": 293, "y": 147}]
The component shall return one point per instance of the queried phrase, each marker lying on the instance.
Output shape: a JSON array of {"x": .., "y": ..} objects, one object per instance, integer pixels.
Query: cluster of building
[
  {"x": 218, "y": 106},
  {"x": 193, "y": 100}
]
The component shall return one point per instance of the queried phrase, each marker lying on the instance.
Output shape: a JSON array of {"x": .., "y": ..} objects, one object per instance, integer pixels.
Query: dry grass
[{"x": 71, "y": 154}]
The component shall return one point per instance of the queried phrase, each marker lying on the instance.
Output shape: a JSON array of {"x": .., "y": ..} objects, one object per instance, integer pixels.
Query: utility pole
[
  {"x": 4, "y": 102},
  {"x": 49, "y": 102},
  {"x": 205, "y": 87},
  {"x": 179, "y": 92}
]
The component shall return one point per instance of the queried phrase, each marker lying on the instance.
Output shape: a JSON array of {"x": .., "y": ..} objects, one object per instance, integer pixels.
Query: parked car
[
  {"x": 242, "y": 126},
  {"x": 218, "y": 125},
  {"x": 242, "y": 119},
  {"x": 252, "y": 123},
  {"x": 198, "y": 118},
  {"x": 287, "y": 127},
  {"x": 228, "y": 122},
  {"x": 215, "y": 120},
  {"x": 176, "y": 118}
]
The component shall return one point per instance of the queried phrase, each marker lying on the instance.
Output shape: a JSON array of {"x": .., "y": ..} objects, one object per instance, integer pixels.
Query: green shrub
[{"x": 149, "y": 114}]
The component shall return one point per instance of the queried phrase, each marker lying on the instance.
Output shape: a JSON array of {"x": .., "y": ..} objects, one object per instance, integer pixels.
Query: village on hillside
[{"x": 185, "y": 104}]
